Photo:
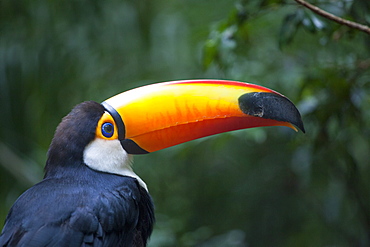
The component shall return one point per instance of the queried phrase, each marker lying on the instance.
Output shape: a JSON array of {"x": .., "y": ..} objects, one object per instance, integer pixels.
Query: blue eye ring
[{"x": 107, "y": 129}]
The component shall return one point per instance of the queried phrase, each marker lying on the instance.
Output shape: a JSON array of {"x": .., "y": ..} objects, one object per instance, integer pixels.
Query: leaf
[
  {"x": 210, "y": 52},
  {"x": 289, "y": 27},
  {"x": 312, "y": 23}
]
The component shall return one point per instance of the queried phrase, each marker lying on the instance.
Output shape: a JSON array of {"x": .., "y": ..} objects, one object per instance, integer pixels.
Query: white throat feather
[{"x": 109, "y": 156}]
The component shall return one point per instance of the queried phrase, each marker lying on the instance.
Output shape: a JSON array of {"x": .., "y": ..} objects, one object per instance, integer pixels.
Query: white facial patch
[{"x": 109, "y": 156}]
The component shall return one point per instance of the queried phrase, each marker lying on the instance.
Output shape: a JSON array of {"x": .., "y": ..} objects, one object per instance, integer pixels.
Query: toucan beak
[{"x": 161, "y": 115}]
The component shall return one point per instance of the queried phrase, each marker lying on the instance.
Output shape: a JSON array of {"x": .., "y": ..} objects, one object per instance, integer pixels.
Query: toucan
[{"x": 90, "y": 195}]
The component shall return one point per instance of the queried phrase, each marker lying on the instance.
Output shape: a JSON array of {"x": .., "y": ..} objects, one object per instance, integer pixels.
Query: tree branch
[{"x": 335, "y": 18}]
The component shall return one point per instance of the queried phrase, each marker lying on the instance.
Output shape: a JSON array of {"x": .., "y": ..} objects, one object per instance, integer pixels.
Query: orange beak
[{"x": 161, "y": 115}]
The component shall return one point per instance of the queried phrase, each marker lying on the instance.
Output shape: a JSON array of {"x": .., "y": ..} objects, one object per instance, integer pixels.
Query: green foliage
[{"x": 259, "y": 187}]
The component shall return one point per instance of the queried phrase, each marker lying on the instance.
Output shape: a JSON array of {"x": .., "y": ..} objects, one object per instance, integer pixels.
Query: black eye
[{"x": 107, "y": 129}]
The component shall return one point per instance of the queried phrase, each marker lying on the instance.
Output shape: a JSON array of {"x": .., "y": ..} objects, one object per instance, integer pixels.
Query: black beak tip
[
  {"x": 271, "y": 106},
  {"x": 301, "y": 126}
]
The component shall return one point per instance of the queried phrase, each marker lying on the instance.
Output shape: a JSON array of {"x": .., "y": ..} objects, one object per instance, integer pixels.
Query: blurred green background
[{"x": 257, "y": 187}]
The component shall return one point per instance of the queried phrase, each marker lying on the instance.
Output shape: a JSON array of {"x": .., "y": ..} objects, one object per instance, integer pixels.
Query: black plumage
[{"x": 75, "y": 205}]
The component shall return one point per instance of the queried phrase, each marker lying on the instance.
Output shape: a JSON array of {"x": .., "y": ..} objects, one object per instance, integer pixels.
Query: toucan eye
[{"x": 107, "y": 129}]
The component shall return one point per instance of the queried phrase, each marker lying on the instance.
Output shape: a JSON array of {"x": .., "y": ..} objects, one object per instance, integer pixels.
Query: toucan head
[{"x": 150, "y": 118}]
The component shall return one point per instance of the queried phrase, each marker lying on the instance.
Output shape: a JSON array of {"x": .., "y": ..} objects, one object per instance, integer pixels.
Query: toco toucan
[{"x": 90, "y": 195}]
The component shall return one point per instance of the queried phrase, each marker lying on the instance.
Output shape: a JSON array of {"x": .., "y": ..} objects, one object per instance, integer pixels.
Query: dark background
[{"x": 258, "y": 187}]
